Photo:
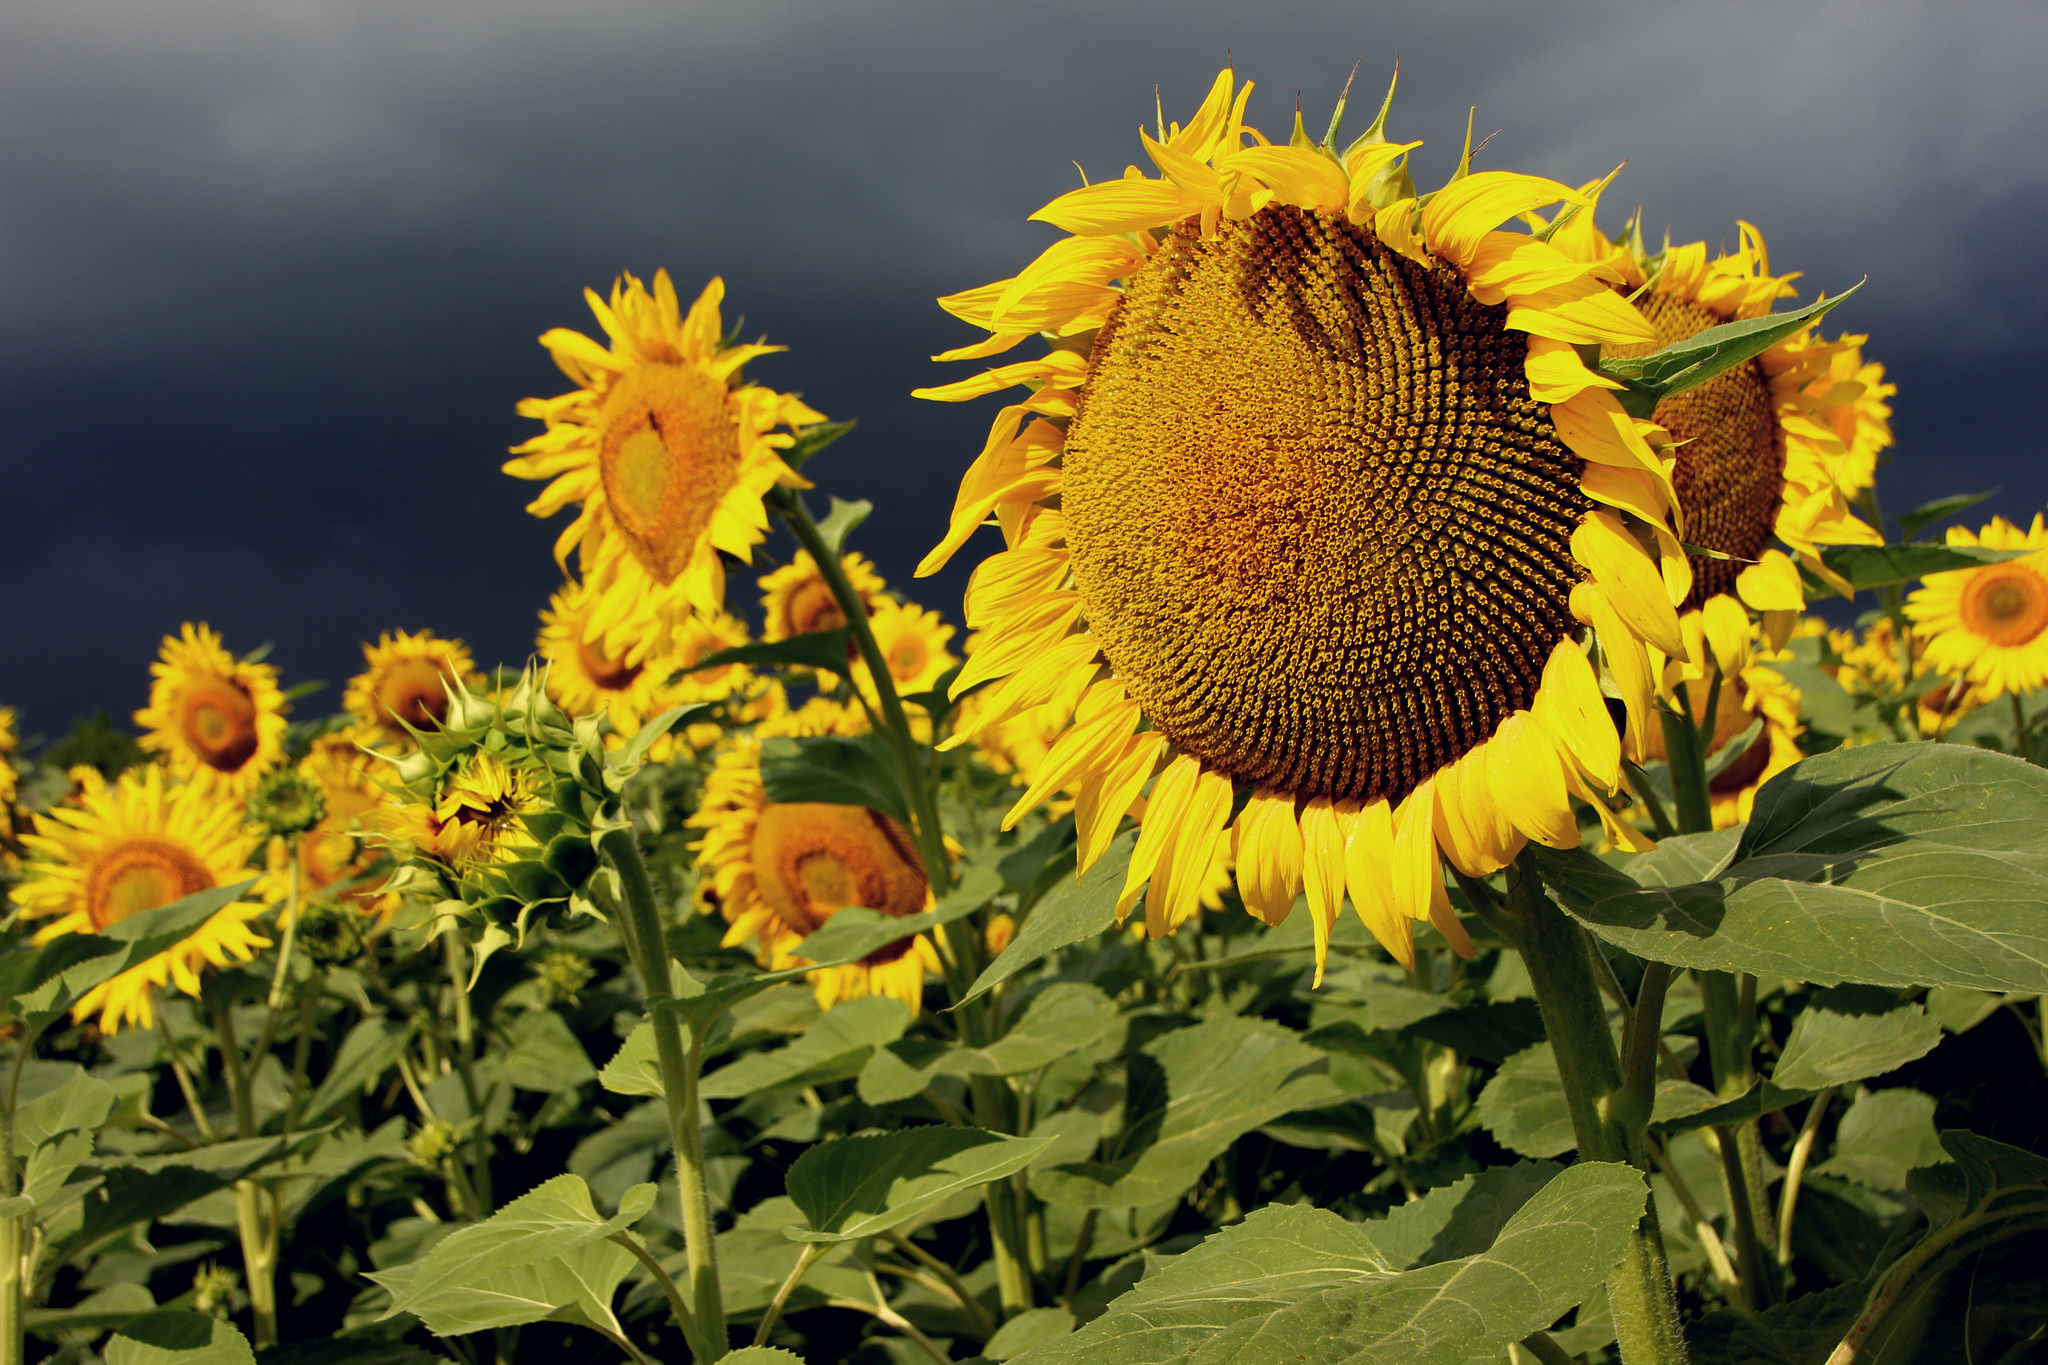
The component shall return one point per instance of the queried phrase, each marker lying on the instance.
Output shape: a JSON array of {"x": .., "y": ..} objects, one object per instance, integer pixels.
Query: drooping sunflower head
[
  {"x": 1315, "y": 496},
  {"x": 666, "y": 450},
  {"x": 778, "y": 871},
  {"x": 139, "y": 844},
  {"x": 405, "y": 682},
  {"x": 1770, "y": 450},
  {"x": 1989, "y": 625},
  {"x": 218, "y": 721},
  {"x": 797, "y": 600}
]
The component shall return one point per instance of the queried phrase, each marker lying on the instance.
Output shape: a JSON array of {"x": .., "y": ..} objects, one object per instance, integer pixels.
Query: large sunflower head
[
  {"x": 218, "y": 722},
  {"x": 1770, "y": 450},
  {"x": 138, "y": 844},
  {"x": 405, "y": 682},
  {"x": 1318, "y": 499},
  {"x": 1989, "y": 625},
  {"x": 778, "y": 871},
  {"x": 668, "y": 452},
  {"x": 796, "y": 599}
]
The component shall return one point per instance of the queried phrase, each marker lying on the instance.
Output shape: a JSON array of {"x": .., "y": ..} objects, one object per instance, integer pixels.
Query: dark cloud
[{"x": 270, "y": 274}]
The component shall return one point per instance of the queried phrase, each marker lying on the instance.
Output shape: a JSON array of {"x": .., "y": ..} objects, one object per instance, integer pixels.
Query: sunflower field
[{"x": 770, "y": 971}]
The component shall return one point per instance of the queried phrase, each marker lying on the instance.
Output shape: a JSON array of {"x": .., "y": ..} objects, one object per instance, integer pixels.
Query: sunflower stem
[
  {"x": 647, "y": 944},
  {"x": 258, "y": 1235},
  {"x": 1605, "y": 1125},
  {"x": 2022, "y": 741},
  {"x": 14, "y": 1277},
  {"x": 1686, "y": 763},
  {"x": 1729, "y": 1006},
  {"x": 917, "y": 786}
]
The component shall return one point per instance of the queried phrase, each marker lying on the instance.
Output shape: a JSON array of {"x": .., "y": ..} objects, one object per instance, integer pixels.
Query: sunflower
[
  {"x": 1867, "y": 666},
  {"x": 1989, "y": 625},
  {"x": 334, "y": 853},
  {"x": 476, "y": 820},
  {"x": 630, "y": 689},
  {"x": 797, "y": 600},
  {"x": 404, "y": 683},
  {"x": 778, "y": 871},
  {"x": 219, "y": 723},
  {"x": 912, "y": 641},
  {"x": 143, "y": 842},
  {"x": 1775, "y": 447},
  {"x": 1318, "y": 502},
  {"x": 667, "y": 452}
]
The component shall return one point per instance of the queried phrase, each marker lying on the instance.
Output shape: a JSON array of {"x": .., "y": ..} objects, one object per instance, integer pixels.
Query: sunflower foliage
[{"x": 790, "y": 987}]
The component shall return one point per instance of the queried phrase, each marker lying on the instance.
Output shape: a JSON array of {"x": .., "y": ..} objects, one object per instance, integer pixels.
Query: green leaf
[
  {"x": 1959, "y": 1011},
  {"x": 1032, "y": 1327},
  {"x": 626, "y": 758},
  {"x": 1885, "y": 1134},
  {"x": 81, "y": 1102},
  {"x": 1827, "y": 1048},
  {"x": 1459, "y": 1219},
  {"x": 1292, "y": 1283},
  {"x": 545, "y": 1056},
  {"x": 1524, "y": 1107},
  {"x": 1927, "y": 513},
  {"x": 754, "y": 1258},
  {"x": 760, "y": 1355},
  {"x": 856, "y": 1187},
  {"x": 853, "y": 933},
  {"x": 542, "y": 1253},
  {"x": 1069, "y": 913},
  {"x": 1689, "y": 363},
  {"x": 371, "y": 1048},
  {"x": 1823, "y": 703},
  {"x": 835, "y": 770},
  {"x": 128, "y": 1196},
  {"x": 823, "y": 649},
  {"x": 1057, "y": 1022},
  {"x": 1760, "y": 1099},
  {"x": 1495, "y": 1030},
  {"x": 833, "y": 1049},
  {"x": 1993, "y": 1171},
  {"x": 1879, "y": 566},
  {"x": 1802, "y": 1332},
  {"x": 813, "y": 439},
  {"x": 1893, "y": 865},
  {"x": 634, "y": 1069},
  {"x": 836, "y": 525},
  {"x": 1191, "y": 1093},
  {"x": 349, "y": 1348},
  {"x": 175, "y": 1338}
]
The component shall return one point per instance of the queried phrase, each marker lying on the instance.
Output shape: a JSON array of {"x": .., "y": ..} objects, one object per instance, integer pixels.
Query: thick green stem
[
  {"x": 1686, "y": 762},
  {"x": 917, "y": 785},
  {"x": 647, "y": 943},
  {"x": 1559, "y": 957},
  {"x": 1729, "y": 1007}
]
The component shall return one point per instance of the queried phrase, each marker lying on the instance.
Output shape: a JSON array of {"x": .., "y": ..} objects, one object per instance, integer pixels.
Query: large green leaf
[
  {"x": 635, "y": 1069},
  {"x": 544, "y": 1055},
  {"x": 1827, "y": 1048},
  {"x": 1060, "y": 1020},
  {"x": 1067, "y": 914},
  {"x": 1693, "y": 361},
  {"x": 754, "y": 1258},
  {"x": 826, "y": 649},
  {"x": 1879, "y": 566},
  {"x": 170, "y": 1337},
  {"x": 128, "y": 1196},
  {"x": 1524, "y": 1107},
  {"x": 1190, "y": 1093},
  {"x": 1896, "y": 865},
  {"x": 42, "y": 986},
  {"x": 1885, "y": 1134},
  {"x": 853, "y": 933},
  {"x": 81, "y": 1102},
  {"x": 1459, "y": 1219},
  {"x": 836, "y": 770},
  {"x": 542, "y": 1254},
  {"x": 1802, "y": 1332},
  {"x": 856, "y": 1187},
  {"x": 833, "y": 1049},
  {"x": 1292, "y": 1283},
  {"x": 371, "y": 1048}
]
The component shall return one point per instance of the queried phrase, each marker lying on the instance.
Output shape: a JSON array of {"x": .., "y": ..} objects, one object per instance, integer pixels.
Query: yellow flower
[
  {"x": 9, "y": 788},
  {"x": 1774, "y": 447},
  {"x": 1314, "y": 495},
  {"x": 406, "y": 679},
  {"x": 1987, "y": 624},
  {"x": 913, "y": 641},
  {"x": 629, "y": 689},
  {"x": 667, "y": 452},
  {"x": 476, "y": 820},
  {"x": 137, "y": 845},
  {"x": 335, "y": 851},
  {"x": 1869, "y": 667},
  {"x": 777, "y": 872},
  {"x": 219, "y": 723},
  {"x": 798, "y": 601}
]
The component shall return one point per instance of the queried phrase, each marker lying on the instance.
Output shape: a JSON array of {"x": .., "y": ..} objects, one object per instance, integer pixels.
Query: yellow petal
[
  {"x": 1772, "y": 584},
  {"x": 1102, "y": 802},
  {"x": 1362, "y": 165},
  {"x": 1527, "y": 779},
  {"x": 1459, "y": 215},
  {"x": 1369, "y": 872},
  {"x": 1570, "y": 704},
  {"x": 1176, "y": 890},
  {"x": 1301, "y": 176},
  {"x": 1557, "y": 374},
  {"x": 1211, "y": 119},
  {"x": 1162, "y": 818},
  {"x": 1269, "y": 873},
  {"x": 1584, "y": 313},
  {"x": 1631, "y": 581},
  {"x": 1626, "y": 662},
  {"x": 1119, "y": 206},
  {"x": 1020, "y": 640},
  {"x": 1322, "y": 872},
  {"x": 1727, "y": 631},
  {"x": 1088, "y": 746}
]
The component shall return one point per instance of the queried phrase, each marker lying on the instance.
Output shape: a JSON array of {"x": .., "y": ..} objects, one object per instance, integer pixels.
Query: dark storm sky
[{"x": 271, "y": 271}]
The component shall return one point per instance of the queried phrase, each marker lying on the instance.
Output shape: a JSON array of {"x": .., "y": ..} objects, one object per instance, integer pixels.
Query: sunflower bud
[{"x": 286, "y": 802}]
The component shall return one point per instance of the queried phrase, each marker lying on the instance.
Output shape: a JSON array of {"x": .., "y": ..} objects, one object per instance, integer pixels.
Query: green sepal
[
  {"x": 813, "y": 439},
  {"x": 1390, "y": 182},
  {"x": 840, "y": 522},
  {"x": 1687, "y": 364}
]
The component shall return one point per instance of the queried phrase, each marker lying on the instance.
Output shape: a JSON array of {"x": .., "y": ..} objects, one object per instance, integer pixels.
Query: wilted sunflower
[
  {"x": 797, "y": 600},
  {"x": 778, "y": 871},
  {"x": 218, "y": 722},
  {"x": 406, "y": 679},
  {"x": 667, "y": 452},
  {"x": 1773, "y": 448},
  {"x": 139, "y": 844},
  {"x": 1990, "y": 624},
  {"x": 1320, "y": 501}
]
